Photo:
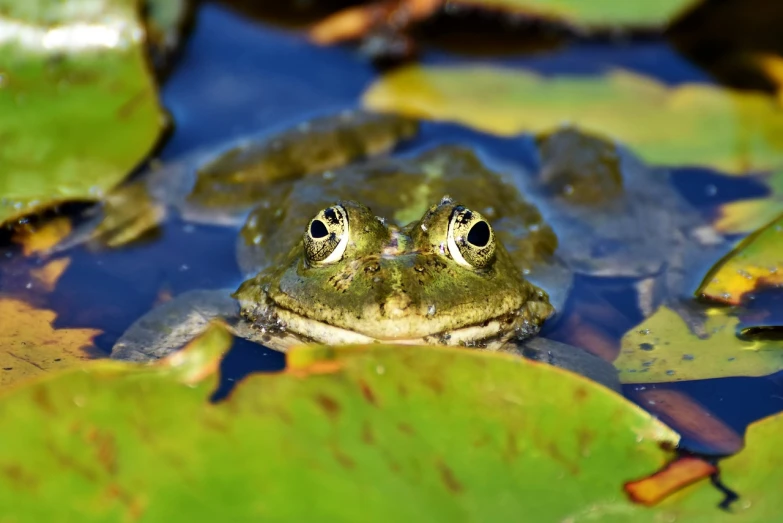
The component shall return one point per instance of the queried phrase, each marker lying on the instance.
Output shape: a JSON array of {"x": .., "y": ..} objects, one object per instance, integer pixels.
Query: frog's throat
[{"x": 293, "y": 329}]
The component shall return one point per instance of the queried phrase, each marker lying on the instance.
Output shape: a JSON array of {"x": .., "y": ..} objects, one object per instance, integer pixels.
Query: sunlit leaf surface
[
  {"x": 755, "y": 470},
  {"x": 745, "y": 216},
  {"x": 692, "y": 124},
  {"x": 599, "y": 12},
  {"x": 663, "y": 349},
  {"x": 756, "y": 262},
  {"x": 345, "y": 434},
  {"x": 31, "y": 346},
  {"x": 79, "y": 106}
]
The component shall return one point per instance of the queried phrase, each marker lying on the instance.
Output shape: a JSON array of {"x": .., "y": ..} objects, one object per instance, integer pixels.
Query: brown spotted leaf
[
  {"x": 663, "y": 349},
  {"x": 345, "y": 434},
  {"x": 31, "y": 346}
]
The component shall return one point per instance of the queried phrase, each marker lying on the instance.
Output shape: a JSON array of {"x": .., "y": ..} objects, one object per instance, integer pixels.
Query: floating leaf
[
  {"x": 37, "y": 239},
  {"x": 753, "y": 471},
  {"x": 662, "y": 349},
  {"x": 755, "y": 475},
  {"x": 79, "y": 106},
  {"x": 31, "y": 346},
  {"x": 745, "y": 216},
  {"x": 728, "y": 130},
  {"x": 345, "y": 434},
  {"x": 756, "y": 262},
  {"x": 600, "y": 13}
]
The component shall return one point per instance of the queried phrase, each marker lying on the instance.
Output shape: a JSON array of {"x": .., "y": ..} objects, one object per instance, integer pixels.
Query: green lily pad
[
  {"x": 80, "y": 106},
  {"x": 344, "y": 434},
  {"x": 753, "y": 474},
  {"x": 744, "y": 216},
  {"x": 692, "y": 124},
  {"x": 600, "y": 13},
  {"x": 663, "y": 349},
  {"x": 756, "y": 469},
  {"x": 756, "y": 262}
]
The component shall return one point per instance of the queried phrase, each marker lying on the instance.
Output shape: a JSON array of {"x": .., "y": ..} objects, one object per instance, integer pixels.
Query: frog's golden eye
[
  {"x": 470, "y": 240},
  {"x": 326, "y": 236}
]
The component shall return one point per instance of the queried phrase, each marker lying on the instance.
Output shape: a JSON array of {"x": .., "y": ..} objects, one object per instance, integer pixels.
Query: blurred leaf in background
[
  {"x": 79, "y": 103},
  {"x": 688, "y": 125}
]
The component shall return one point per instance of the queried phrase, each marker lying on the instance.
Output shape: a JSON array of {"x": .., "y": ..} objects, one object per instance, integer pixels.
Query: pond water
[{"x": 238, "y": 76}]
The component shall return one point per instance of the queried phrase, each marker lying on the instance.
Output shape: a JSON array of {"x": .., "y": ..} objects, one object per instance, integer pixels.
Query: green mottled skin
[
  {"x": 398, "y": 283},
  {"x": 396, "y": 279}
]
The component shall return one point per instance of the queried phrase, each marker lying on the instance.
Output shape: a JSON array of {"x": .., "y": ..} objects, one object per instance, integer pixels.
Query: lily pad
[
  {"x": 80, "y": 106},
  {"x": 31, "y": 346},
  {"x": 728, "y": 130},
  {"x": 600, "y": 13},
  {"x": 754, "y": 470},
  {"x": 744, "y": 216},
  {"x": 344, "y": 434},
  {"x": 756, "y": 262},
  {"x": 753, "y": 475},
  {"x": 663, "y": 349}
]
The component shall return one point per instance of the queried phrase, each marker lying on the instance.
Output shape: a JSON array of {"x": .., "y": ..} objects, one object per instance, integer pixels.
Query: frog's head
[{"x": 353, "y": 278}]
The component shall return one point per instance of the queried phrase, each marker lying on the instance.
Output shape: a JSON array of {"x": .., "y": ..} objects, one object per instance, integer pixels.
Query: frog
[{"x": 345, "y": 239}]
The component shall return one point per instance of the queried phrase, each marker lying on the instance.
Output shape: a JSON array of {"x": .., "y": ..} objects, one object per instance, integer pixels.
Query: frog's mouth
[{"x": 294, "y": 329}]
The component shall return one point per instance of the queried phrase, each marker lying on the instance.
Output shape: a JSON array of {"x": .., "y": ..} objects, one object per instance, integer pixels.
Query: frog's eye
[
  {"x": 326, "y": 236},
  {"x": 471, "y": 241}
]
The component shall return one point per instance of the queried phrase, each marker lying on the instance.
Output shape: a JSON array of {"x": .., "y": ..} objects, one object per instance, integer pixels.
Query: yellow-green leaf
[
  {"x": 756, "y": 262},
  {"x": 345, "y": 434},
  {"x": 600, "y": 13},
  {"x": 692, "y": 124},
  {"x": 31, "y": 346},
  {"x": 662, "y": 349},
  {"x": 79, "y": 105}
]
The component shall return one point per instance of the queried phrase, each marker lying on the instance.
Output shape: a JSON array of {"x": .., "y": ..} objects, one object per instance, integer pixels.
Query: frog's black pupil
[
  {"x": 479, "y": 234},
  {"x": 318, "y": 229}
]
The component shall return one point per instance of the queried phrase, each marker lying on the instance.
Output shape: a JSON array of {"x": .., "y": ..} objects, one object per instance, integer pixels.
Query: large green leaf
[
  {"x": 345, "y": 434},
  {"x": 79, "y": 106},
  {"x": 662, "y": 348},
  {"x": 692, "y": 124},
  {"x": 601, "y": 13}
]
